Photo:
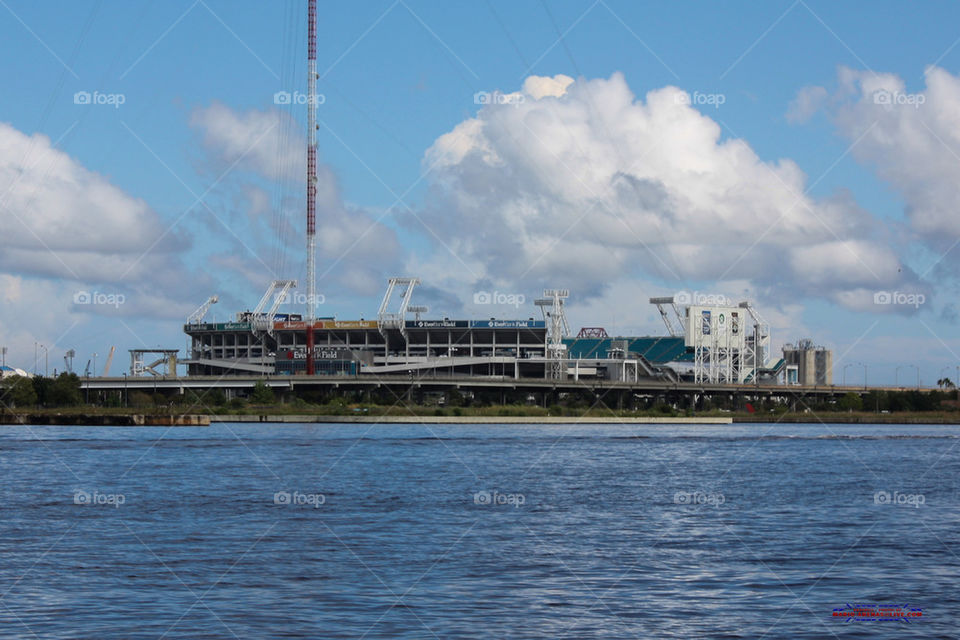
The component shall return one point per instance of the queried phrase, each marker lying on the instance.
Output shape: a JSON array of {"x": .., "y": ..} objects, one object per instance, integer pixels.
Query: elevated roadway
[{"x": 403, "y": 382}]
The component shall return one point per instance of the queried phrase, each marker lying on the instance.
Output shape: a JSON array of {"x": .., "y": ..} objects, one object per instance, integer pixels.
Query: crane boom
[{"x": 106, "y": 367}]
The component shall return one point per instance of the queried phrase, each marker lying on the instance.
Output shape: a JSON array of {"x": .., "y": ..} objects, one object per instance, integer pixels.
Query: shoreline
[
  {"x": 307, "y": 419},
  {"x": 205, "y": 420}
]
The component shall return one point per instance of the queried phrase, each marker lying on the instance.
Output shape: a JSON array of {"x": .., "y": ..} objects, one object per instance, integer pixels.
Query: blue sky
[{"x": 182, "y": 168}]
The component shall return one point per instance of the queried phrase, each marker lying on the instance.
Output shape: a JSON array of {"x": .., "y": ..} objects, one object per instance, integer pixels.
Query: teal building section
[{"x": 656, "y": 349}]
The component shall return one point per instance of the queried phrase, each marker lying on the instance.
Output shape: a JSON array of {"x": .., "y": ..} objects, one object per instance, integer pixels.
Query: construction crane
[
  {"x": 68, "y": 360},
  {"x": 106, "y": 367}
]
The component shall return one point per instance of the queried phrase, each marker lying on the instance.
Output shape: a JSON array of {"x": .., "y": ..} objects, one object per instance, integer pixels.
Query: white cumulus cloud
[
  {"x": 911, "y": 138},
  {"x": 60, "y": 219},
  {"x": 584, "y": 184}
]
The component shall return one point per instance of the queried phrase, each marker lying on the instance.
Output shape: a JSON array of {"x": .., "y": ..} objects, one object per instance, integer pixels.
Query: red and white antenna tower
[
  {"x": 311, "y": 178},
  {"x": 311, "y": 160}
]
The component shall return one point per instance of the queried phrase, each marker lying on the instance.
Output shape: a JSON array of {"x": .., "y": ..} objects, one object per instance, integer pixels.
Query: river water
[{"x": 479, "y": 531}]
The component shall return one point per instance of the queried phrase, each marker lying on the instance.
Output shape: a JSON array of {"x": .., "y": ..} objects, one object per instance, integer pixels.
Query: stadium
[
  {"x": 716, "y": 343},
  {"x": 706, "y": 341}
]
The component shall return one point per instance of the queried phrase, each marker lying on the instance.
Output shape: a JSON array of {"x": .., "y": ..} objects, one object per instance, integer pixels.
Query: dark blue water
[{"x": 360, "y": 531}]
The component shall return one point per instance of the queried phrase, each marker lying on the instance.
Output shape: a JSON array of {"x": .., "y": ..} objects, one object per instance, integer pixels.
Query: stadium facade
[{"x": 720, "y": 344}]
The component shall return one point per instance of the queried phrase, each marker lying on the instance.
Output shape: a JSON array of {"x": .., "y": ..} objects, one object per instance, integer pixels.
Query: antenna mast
[
  {"x": 311, "y": 160},
  {"x": 311, "y": 178}
]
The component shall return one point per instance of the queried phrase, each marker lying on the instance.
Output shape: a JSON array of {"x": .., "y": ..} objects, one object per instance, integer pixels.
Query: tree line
[{"x": 19, "y": 392}]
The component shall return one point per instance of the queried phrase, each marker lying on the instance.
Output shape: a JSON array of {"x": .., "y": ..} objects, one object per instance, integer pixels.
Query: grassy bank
[
  {"x": 61, "y": 400},
  {"x": 365, "y": 412}
]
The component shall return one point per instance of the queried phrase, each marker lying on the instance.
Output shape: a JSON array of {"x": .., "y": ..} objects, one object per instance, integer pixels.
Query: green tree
[
  {"x": 850, "y": 402},
  {"x": 41, "y": 387},
  {"x": 64, "y": 391},
  {"x": 262, "y": 394},
  {"x": 214, "y": 397},
  {"x": 206, "y": 399},
  {"x": 18, "y": 391},
  {"x": 454, "y": 398},
  {"x": 140, "y": 399}
]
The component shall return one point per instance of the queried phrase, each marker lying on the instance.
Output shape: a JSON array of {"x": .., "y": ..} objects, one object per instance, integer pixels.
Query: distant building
[
  {"x": 9, "y": 372},
  {"x": 807, "y": 364}
]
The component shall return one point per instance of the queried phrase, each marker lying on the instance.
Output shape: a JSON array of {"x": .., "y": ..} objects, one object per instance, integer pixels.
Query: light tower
[
  {"x": 311, "y": 177},
  {"x": 557, "y": 328}
]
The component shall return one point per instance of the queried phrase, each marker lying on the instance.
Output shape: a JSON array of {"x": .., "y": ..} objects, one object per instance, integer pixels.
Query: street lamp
[
  {"x": 896, "y": 382},
  {"x": 855, "y": 364},
  {"x": 844, "y": 376}
]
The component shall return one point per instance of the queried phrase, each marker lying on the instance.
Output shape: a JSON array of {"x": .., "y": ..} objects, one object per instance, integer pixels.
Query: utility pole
[{"x": 46, "y": 354}]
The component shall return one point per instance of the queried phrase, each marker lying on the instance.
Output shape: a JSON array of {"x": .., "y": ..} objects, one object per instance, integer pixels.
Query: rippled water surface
[{"x": 402, "y": 531}]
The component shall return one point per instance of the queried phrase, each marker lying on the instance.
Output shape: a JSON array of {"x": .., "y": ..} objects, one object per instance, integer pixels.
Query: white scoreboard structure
[{"x": 729, "y": 342}]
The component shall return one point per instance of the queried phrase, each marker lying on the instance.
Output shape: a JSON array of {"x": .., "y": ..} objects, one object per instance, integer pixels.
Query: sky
[{"x": 801, "y": 155}]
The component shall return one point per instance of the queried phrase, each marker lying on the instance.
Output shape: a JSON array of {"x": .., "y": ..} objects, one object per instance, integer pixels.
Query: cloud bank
[
  {"x": 911, "y": 139},
  {"x": 584, "y": 184}
]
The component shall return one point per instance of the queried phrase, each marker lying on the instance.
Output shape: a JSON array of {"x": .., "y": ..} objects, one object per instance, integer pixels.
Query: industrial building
[{"x": 807, "y": 364}]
